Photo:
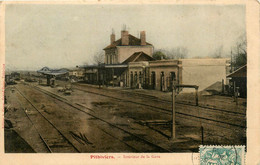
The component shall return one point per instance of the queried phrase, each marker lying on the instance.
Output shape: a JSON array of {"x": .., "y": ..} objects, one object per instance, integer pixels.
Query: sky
[{"x": 64, "y": 36}]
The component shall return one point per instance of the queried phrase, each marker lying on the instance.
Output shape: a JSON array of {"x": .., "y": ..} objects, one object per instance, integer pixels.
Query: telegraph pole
[
  {"x": 197, "y": 96},
  {"x": 231, "y": 65},
  {"x": 98, "y": 76},
  {"x": 173, "y": 131}
]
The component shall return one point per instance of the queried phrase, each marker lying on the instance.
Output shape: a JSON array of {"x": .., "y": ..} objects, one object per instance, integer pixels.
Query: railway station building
[
  {"x": 129, "y": 63},
  {"x": 120, "y": 50}
]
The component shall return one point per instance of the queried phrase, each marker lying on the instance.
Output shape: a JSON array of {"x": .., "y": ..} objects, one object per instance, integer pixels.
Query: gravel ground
[{"x": 146, "y": 122}]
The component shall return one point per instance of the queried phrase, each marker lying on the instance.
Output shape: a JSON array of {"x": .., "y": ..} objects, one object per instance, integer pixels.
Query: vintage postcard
[{"x": 142, "y": 82}]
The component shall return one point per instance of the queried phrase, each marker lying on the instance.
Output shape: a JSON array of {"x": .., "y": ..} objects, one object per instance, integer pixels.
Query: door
[
  {"x": 153, "y": 76},
  {"x": 162, "y": 81}
]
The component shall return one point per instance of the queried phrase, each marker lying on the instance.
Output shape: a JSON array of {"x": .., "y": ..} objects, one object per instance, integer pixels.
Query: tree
[
  {"x": 174, "y": 53},
  {"x": 159, "y": 55},
  {"x": 218, "y": 52},
  {"x": 85, "y": 63},
  {"x": 239, "y": 52},
  {"x": 99, "y": 58},
  {"x": 178, "y": 53}
]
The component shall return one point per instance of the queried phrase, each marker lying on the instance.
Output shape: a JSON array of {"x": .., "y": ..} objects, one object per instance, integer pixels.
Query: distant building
[
  {"x": 119, "y": 50},
  {"x": 16, "y": 75},
  {"x": 77, "y": 74}
]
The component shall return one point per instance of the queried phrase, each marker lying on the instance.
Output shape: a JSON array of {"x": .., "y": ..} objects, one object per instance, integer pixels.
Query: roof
[
  {"x": 53, "y": 72},
  {"x": 214, "y": 88},
  {"x": 116, "y": 66},
  {"x": 240, "y": 72},
  {"x": 104, "y": 66},
  {"x": 133, "y": 41},
  {"x": 89, "y": 66},
  {"x": 138, "y": 56},
  {"x": 205, "y": 62}
]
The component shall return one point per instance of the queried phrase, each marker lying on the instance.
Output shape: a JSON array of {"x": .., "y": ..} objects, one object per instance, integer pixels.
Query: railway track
[
  {"x": 224, "y": 124},
  {"x": 178, "y": 102},
  {"x": 54, "y": 140},
  {"x": 41, "y": 137},
  {"x": 193, "y": 105},
  {"x": 138, "y": 140}
]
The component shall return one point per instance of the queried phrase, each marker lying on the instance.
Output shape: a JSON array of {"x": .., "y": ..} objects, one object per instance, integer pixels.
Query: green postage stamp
[{"x": 222, "y": 155}]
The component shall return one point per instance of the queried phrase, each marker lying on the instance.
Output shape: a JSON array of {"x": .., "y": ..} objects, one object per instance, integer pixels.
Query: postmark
[{"x": 222, "y": 155}]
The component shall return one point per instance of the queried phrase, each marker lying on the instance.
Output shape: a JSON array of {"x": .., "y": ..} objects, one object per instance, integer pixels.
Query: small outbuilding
[{"x": 238, "y": 79}]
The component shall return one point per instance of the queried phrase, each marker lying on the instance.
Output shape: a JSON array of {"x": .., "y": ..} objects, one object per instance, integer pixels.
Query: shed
[{"x": 239, "y": 79}]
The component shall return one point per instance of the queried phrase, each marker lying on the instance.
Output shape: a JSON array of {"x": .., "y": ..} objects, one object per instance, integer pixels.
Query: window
[{"x": 111, "y": 59}]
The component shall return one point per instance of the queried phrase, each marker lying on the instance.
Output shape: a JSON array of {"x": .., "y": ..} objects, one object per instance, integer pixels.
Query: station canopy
[{"x": 52, "y": 72}]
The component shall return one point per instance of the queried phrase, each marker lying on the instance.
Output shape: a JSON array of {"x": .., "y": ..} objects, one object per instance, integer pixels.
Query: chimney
[
  {"x": 112, "y": 38},
  {"x": 142, "y": 37},
  {"x": 124, "y": 37}
]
